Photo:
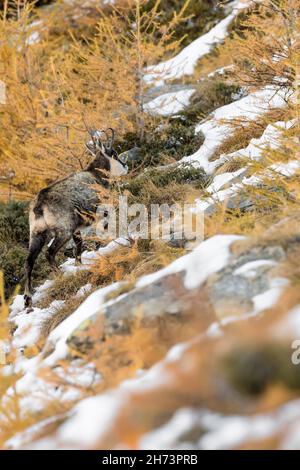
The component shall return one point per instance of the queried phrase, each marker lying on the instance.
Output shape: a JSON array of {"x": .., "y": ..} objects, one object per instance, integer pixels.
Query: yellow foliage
[{"x": 9, "y": 406}]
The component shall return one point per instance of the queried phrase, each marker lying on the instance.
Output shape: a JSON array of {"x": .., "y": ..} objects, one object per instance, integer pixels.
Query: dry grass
[
  {"x": 144, "y": 257},
  {"x": 210, "y": 93},
  {"x": 65, "y": 287}
]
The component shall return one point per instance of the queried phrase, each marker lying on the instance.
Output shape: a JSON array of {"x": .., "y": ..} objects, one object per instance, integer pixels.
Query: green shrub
[
  {"x": 14, "y": 239},
  {"x": 168, "y": 185},
  {"x": 201, "y": 16},
  {"x": 14, "y": 227}
]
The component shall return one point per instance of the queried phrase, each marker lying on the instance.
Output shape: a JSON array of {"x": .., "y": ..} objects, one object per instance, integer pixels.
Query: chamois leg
[
  {"x": 59, "y": 241},
  {"x": 78, "y": 245},
  {"x": 36, "y": 244}
]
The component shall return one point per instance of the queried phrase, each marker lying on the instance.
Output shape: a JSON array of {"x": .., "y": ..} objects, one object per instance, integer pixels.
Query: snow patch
[
  {"x": 290, "y": 325},
  {"x": 29, "y": 326},
  {"x": 229, "y": 432},
  {"x": 207, "y": 258},
  {"x": 286, "y": 169}
]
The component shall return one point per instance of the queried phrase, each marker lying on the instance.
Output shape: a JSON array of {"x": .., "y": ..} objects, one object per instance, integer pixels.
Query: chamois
[{"x": 60, "y": 210}]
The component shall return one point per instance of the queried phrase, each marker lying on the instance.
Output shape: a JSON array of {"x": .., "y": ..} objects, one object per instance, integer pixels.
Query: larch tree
[{"x": 58, "y": 85}]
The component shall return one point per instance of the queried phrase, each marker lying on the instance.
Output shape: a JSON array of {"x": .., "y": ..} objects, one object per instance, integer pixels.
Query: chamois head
[{"x": 104, "y": 153}]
